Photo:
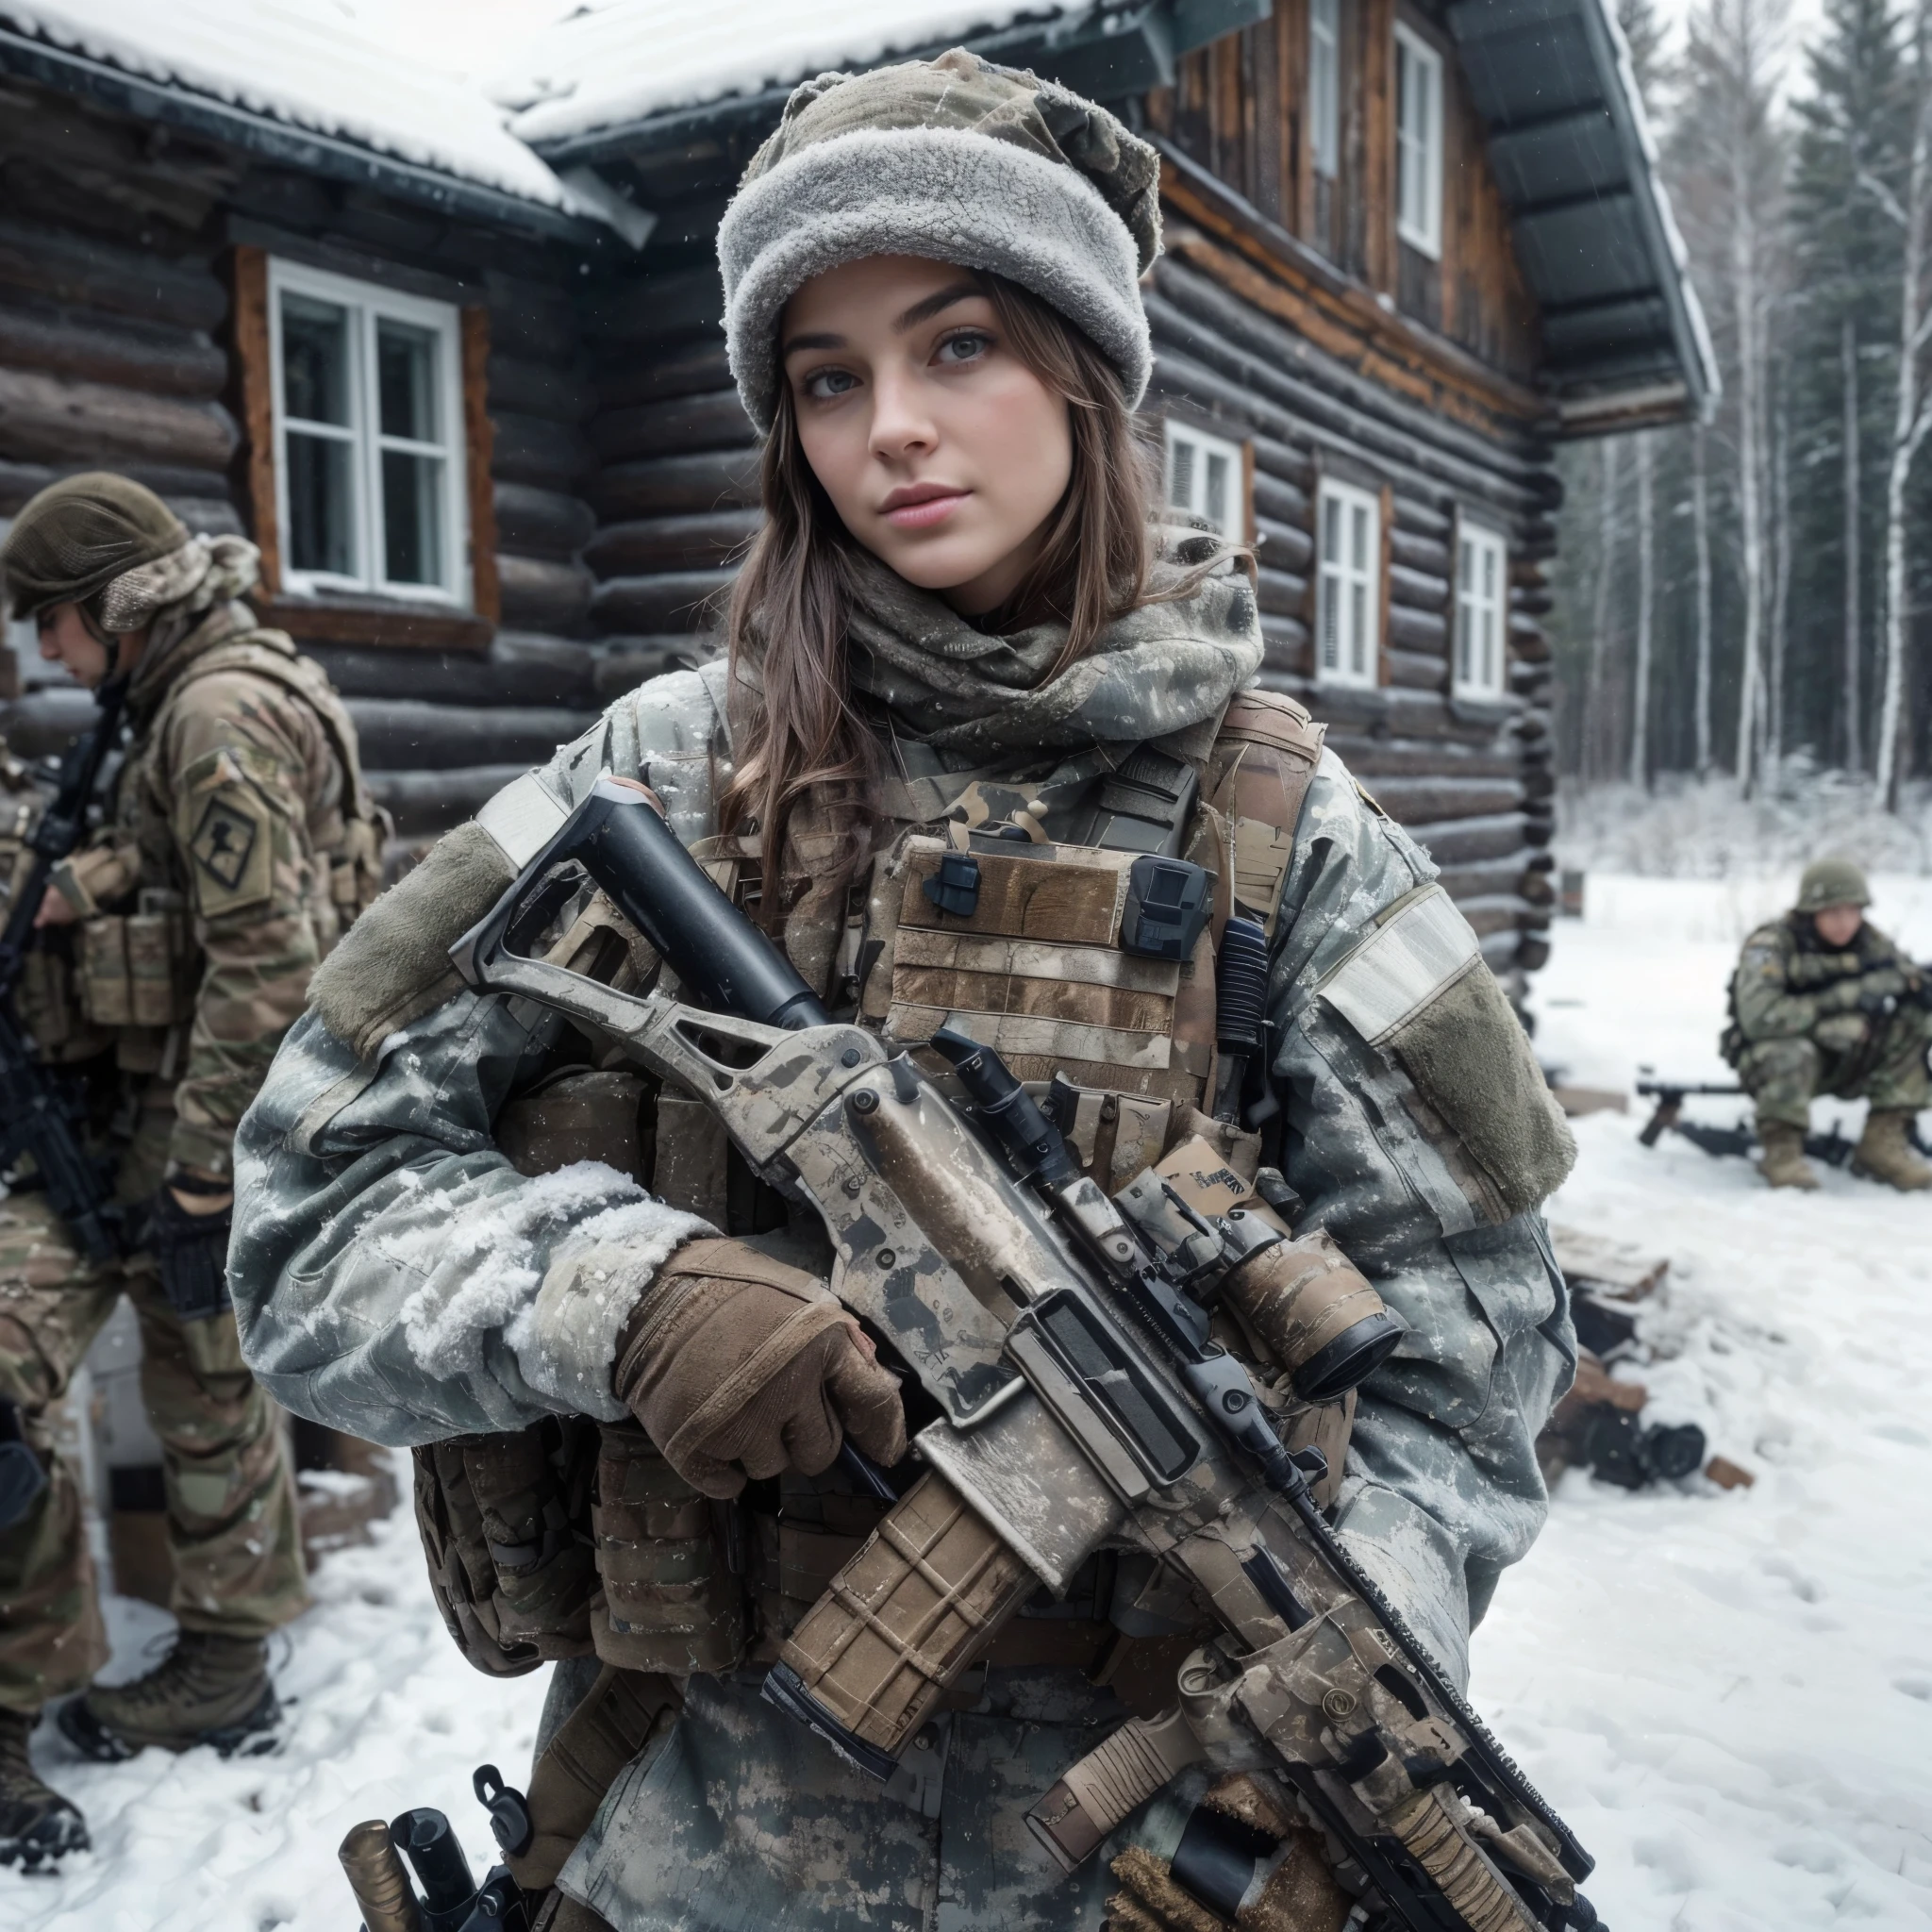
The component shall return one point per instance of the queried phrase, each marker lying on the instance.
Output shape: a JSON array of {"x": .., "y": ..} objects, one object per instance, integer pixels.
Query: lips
[{"x": 918, "y": 505}]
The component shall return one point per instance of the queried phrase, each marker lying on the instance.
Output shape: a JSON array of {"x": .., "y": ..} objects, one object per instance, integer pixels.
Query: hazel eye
[{"x": 823, "y": 385}]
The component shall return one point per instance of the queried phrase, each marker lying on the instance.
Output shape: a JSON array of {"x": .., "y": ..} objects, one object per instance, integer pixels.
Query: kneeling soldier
[
  {"x": 174, "y": 950},
  {"x": 1824, "y": 1003}
]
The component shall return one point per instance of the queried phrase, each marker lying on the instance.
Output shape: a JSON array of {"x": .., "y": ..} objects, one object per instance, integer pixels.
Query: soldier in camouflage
[
  {"x": 1824, "y": 1003},
  {"x": 173, "y": 950},
  {"x": 411, "y": 1265}
]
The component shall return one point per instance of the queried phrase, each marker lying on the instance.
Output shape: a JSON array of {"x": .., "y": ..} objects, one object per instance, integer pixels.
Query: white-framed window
[
  {"x": 1207, "y": 477},
  {"x": 1482, "y": 609},
  {"x": 1324, "y": 86},
  {"x": 1348, "y": 562},
  {"x": 1418, "y": 142},
  {"x": 370, "y": 489}
]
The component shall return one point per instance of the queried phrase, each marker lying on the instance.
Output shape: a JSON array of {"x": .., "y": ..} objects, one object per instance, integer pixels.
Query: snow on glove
[{"x": 740, "y": 1367}]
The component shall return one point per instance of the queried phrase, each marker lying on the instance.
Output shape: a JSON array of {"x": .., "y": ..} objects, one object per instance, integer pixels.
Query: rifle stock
[{"x": 1081, "y": 1403}]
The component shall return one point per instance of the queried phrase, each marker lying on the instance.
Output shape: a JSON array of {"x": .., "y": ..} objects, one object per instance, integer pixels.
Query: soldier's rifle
[
  {"x": 1834, "y": 1147},
  {"x": 1064, "y": 1345},
  {"x": 43, "y": 1109}
]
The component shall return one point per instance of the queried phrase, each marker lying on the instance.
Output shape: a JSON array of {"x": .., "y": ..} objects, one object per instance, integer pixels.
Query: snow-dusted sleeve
[
  {"x": 1442, "y": 1491},
  {"x": 393, "y": 1276}
]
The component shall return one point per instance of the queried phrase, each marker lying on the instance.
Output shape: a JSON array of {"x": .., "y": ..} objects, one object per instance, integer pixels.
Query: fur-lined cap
[
  {"x": 957, "y": 160},
  {"x": 77, "y": 536}
]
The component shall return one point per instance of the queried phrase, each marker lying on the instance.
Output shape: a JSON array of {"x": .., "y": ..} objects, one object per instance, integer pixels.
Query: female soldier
[{"x": 958, "y": 618}]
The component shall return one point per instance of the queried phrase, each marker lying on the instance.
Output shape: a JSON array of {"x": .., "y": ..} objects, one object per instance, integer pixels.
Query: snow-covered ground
[{"x": 1728, "y": 1694}]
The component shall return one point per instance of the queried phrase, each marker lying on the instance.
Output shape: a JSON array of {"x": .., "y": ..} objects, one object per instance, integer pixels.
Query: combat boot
[
  {"x": 1783, "y": 1164},
  {"x": 208, "y": 1690},
  {"x": 1884, "y": 1152},
  {"x": 38, "y": 1826}
]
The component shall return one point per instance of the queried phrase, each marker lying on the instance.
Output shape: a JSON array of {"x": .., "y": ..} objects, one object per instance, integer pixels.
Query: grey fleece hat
[{"x": 957, "y": 160}]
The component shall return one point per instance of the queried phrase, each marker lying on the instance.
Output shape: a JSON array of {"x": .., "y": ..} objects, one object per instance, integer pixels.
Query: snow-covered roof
[
  {"x": 345, "y": 70},
  {"x": 608, "y": 62}
]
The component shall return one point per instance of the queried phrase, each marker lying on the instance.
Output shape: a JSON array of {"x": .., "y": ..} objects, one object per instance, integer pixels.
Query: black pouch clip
[{"x": 1169, "y": 901}]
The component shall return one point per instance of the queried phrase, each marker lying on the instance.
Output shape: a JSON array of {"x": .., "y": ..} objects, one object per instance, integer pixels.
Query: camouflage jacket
[
  {"x": 396, "y": 1277},
  {"x": 1788, "y": 980},
  {"x": 239, "y": 825}
]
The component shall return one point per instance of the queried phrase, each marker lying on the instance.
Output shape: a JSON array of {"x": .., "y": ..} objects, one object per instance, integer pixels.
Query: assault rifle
[
  {"x": 1063, "y": 1345},
  {"x": 1739, "y": 1139},
  {"x": 42, "y": 1114}
]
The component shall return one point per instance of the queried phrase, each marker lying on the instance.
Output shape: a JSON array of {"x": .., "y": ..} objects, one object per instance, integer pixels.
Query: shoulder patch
[{"x": 230, "y": 849}]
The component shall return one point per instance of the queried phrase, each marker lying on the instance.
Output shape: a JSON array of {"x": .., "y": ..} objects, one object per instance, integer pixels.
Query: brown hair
[{"x": 789, "y": 603}]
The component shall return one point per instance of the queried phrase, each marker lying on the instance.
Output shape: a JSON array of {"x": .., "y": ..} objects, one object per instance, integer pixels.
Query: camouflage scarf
[{"x": 1155, "y": 672}]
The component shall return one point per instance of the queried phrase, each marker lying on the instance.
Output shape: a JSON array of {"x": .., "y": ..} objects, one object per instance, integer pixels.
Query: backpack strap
[{"x": 357, "y": 869}]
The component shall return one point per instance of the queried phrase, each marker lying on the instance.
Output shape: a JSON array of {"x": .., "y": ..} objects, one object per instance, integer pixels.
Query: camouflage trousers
[
  {"x": 232, "y": 1529},
  {"x": 1784, "y": 1076}
]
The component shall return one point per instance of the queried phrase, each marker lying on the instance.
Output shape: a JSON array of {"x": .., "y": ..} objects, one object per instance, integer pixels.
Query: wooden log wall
[
  {"x": 116, "y": 350},
  {"x": 1237, "y": 107},
  {"x": 1473, "y": 781}
]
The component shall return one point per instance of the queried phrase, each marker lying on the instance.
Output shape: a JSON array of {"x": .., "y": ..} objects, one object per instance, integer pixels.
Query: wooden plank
[
  {"x": 671, "y": 543},
  {"x": 254, "y": 378},
  {"x": 671, "y": 601},
  {"x": 1378, "y": 142},
  {"x": 1291, "y": 281},
  {"x": 88, "y": 273},
  {"x": 539, "y": 593},
  {"x": 52, "y": 419},
  {"x": 678, "y": 486},
  {"x": 1384, "y": 670},
  {"x": 379, "y": 623},
  {"x": 540, "y": 523},
  {"x": 479, "y": 437},
  {"x": 531, "y": 449},
  {"x": 161, "y": 361},
  {"x": 681, "y": 426}
]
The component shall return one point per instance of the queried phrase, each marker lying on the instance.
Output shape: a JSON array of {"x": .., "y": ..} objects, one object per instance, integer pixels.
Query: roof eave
[
  {"x": 172, "y": 105},
  {"x": 1109, "y": 51}
]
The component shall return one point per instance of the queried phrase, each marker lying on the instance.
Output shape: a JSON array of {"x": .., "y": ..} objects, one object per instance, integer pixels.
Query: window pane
[
  {"x": 405, "y": 379},
  {"x": 1323, "y": 85},
  {"x": 315, "y": 360},
  {"x": 1217, "y": 492},
  {"x": 1359, "y": 628},
  {"x": 411, "y": 518},
  {"x": 1180, "y": 488},
  {"x": 1491, "y": 669},
  {"x": 321, "y": 521},
  {"x": 1331, "y": 597},
  {"x": 1331, "y": 531},
  {"x": 1358, "y": 530}
]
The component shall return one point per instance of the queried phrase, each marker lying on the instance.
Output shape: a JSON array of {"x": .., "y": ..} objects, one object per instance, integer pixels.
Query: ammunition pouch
[
  {"x": 499, "y": 1516},
  {"x": 672, "y": 1600},
  {"x": 138, "y": 969}
]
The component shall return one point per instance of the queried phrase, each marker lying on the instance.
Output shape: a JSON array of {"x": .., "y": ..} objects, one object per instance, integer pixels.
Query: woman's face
[{"x": 942, "y": 452}]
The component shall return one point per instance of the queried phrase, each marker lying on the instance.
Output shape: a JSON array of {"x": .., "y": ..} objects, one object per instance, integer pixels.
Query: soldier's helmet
[
  {"x": 1827, "y": 882},
  {"x": 77, "y": 536}
]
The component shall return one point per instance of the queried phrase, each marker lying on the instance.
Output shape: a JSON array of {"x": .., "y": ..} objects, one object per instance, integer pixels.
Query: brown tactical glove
[{"x": 739, "y": 1366}]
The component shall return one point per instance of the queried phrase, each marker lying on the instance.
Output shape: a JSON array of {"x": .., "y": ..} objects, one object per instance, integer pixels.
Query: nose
[{"x": 902, "y": 426}]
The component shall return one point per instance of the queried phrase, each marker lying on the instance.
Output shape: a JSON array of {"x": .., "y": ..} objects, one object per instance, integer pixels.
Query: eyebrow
[{"x": 936, "y": 305}]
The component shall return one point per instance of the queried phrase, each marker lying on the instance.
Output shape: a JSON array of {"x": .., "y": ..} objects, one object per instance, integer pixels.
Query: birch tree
[
  {"x": 1646, "y": 605},
  {"x": 1700, "y": 537},
  {"x": 1912, "y": 408}
]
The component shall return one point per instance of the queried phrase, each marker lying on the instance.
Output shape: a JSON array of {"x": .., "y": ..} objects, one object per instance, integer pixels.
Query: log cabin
[{"x": 453, "y": 358}]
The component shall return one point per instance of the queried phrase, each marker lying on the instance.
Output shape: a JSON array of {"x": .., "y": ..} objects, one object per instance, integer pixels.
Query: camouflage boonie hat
[
  {"x": 77, "y": 536},
  {"x": 1827, "y": 882},
  {"x": 953, "y": 160}
]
